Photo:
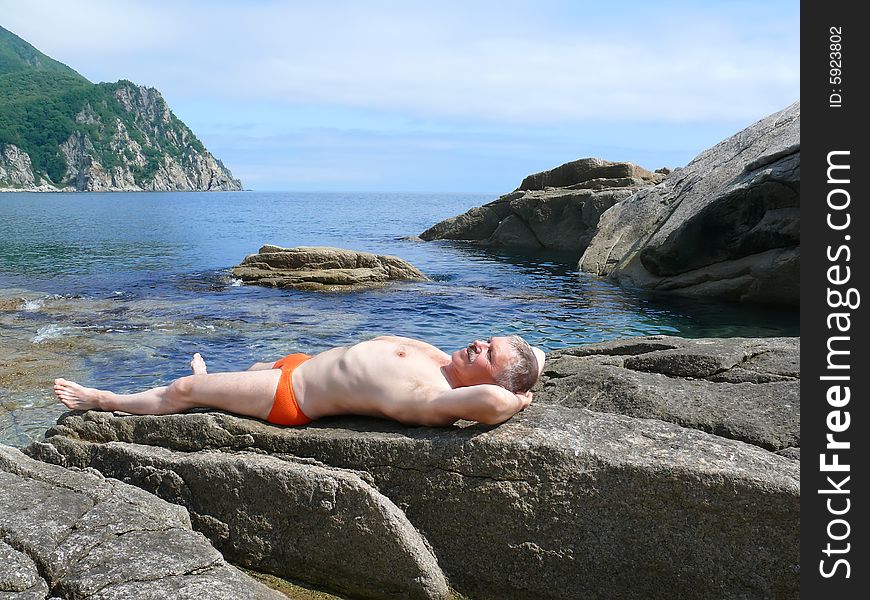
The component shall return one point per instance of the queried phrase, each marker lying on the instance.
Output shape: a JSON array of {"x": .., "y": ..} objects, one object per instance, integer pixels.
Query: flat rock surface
[
  {"x": 557, "y": 209},
  {"x": 74, "y": 534},
  {"x": 741, "y": 388},
  {"x": 323, "y": 268},
  {"x": 726, "y": 226},
  {"x": 555, "y": 503}
]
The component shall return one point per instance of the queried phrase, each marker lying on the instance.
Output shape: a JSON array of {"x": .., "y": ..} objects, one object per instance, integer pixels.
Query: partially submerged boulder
[
  {"x": 79, "y": 535},
  {"x": 557, "y": 209},
  {"x": 725, "y": 226},
  {"x": 323, "y": 268},
  {"x": 559, "y": 502}
]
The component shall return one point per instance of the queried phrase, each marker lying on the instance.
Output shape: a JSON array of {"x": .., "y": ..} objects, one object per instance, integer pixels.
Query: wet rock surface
[
  {"x": 323, "y": 268},
  {"x": 74, "y": 534}
]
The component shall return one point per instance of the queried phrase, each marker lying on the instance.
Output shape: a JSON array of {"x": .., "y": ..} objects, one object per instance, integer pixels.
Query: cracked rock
[
  {"x": 745, "y": 389},
  {"x": 272, "y": 515},
  {"x": 549, "y": 505},
  {"x": 74, "y": 534}
]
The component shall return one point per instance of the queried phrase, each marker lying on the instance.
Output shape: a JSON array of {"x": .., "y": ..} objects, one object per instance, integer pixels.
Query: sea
[{"x": 118, "y": 290}]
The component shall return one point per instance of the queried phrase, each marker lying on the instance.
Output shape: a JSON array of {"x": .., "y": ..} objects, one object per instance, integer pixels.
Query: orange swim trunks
[{"x": 285, "y": 410}]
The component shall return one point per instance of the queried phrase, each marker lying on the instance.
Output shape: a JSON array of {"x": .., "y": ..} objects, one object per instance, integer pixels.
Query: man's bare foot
[
  {"x": 197, "y": 364},
  {"x": 75, "y": 396}
]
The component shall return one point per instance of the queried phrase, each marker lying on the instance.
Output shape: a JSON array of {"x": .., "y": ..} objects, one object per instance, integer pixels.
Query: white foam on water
[
  {"x": 235, "y": 283},
  {"x": 33, "y": 304},
  {"x": 50, "y": 332}
]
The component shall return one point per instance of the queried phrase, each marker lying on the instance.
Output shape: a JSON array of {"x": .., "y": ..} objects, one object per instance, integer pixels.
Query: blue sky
[{"x": 434, "y": 96}]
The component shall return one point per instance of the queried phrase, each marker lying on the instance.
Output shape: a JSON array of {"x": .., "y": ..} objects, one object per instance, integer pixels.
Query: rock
[
  {"x": 557, "y": 503},
  {"x": 276, "y": 514},
  {"x": 15, "y": 168},
  {"x": 538, "y": 215},
  {"x": 583, "y": 170},
  {"x": 323, "y": 268},
  {"x": 19, "y": 576},
  {"x": 726, "y": 226},
  {"x": 77, "y": 534},
  {"x": 739, "y": 388}
]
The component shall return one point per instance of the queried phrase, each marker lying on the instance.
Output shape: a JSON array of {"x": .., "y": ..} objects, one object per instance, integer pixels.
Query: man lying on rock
[{"x": 391, "y": 377}]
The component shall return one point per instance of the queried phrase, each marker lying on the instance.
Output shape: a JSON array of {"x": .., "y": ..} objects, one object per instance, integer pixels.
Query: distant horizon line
[{"x": 266, "y": 191}]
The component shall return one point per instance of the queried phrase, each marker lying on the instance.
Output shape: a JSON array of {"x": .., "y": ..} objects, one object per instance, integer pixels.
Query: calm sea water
[{"x": 119, "y": 289}]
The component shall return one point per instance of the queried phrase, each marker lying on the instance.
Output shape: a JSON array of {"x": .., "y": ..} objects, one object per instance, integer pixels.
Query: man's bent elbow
[{"x": 498, "y": 412}]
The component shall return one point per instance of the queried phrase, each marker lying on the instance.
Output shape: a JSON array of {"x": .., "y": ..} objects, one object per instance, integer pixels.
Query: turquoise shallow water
[{"x": 120, "y": 289}]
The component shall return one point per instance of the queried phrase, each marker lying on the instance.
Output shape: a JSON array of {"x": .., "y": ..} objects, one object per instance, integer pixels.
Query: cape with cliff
[{"x": 60, "y": 132}]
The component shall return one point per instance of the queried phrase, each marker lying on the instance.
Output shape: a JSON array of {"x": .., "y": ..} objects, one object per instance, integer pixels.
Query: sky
[{"x": 445, "y": 96}]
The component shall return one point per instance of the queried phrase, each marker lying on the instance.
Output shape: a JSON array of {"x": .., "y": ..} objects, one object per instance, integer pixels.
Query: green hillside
[
  {"x": 40, "y": 99},
  {"x": 17, "y": 55}
]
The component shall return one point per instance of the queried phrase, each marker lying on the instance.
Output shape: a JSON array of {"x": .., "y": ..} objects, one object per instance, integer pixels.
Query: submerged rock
[
  {"x": 557, "y": 209},
  {"x": 79, "y": 535},
  {"x": 323, "y": 268},
  {"x": 725, "y": 226},
  {"x": 560, "y": 497}
]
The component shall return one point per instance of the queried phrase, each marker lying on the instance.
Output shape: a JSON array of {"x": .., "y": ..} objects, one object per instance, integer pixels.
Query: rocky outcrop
[
  {"x": 323, "y": 268},
  {"x": 557, "y": 209},
  {"x": 16, "y": 172},
  {"x": 725, "y": 226},
  {"x": 15, "y": 168},
  {"x": 276, "y": 514},
  {"x": 740, "y": 388},
  {"x": 690, "y": 500},
  {"x": 586, "y": 173},
  {"x": 74, "y": 534}
]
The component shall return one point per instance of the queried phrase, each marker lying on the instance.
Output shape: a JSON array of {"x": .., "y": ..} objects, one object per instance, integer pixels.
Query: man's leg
[
  {"x": 197, "y": 364},
  {"x": 261, "y": 366},
  {"x": 248, "y": 393}
]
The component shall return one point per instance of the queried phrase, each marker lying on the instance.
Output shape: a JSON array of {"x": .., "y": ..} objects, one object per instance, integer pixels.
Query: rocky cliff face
[
  {"x": 556, "y": 209},
  {"x": 15, "y": 168},
  {"x": 131, "y": 142},
  {"x": 726, "y": 226}
]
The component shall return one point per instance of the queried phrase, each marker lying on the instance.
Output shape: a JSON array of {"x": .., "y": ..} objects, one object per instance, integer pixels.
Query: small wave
[
  {"x": 33, "y": 304},
  {"x": 235, "y": 282},
  {"x": 50, "y": 332}
]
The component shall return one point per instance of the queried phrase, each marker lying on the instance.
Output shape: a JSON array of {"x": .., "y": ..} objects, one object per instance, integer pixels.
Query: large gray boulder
[
  {"x": 740, "y": 388},
  {"x": 74, "y": 534},
  {"x": 323, "y": 268},
  {"x": 276, "y": 514},
  {"x": 558, "y": 502},
  {"x": 726, "y": 226},
  {"x": 557, "y": 209}
]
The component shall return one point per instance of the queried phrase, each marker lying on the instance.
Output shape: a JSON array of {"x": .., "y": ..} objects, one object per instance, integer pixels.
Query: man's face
[{"x": 481, "y": 360}]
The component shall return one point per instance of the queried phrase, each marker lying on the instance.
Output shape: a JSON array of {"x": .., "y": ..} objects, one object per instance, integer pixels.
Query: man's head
[{"x": 507, "y": 361}]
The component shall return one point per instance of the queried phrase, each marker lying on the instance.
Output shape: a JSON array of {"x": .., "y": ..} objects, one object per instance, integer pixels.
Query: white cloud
[{"x": 495, "y": 62}]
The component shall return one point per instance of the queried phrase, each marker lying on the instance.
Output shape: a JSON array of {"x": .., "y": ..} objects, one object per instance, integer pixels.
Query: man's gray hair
[{"x": 521, "y": 372}]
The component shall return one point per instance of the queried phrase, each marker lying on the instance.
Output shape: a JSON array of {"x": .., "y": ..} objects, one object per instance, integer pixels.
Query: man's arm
[{"x": 488, "y": 404}]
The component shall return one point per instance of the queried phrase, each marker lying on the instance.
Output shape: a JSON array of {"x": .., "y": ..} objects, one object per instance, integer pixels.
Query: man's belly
[{"x": 337, "y": 382}]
